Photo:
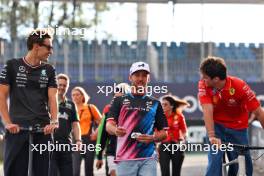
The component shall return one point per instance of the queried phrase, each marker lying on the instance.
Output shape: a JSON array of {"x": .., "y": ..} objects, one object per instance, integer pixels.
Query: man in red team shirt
[{"x": 226, "y": 102}]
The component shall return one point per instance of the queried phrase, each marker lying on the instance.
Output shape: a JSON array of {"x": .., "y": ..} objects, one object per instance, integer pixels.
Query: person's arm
[
  {"x": 4, "y": 92},
  {"x": 158, "y": 136},
  {"x": 209, "y": 123},
  {"x": 113, "y": 129},
  {"x": 208, "y": 119},
  {"x": 96, "y": 114},
  {"x": 101, "y": 138},
  {"x": 5, "y": 82},
  {"x": 182, "y": 126},
  {"x": 76, "y": 130},
  {"x": 53, "y": 105},
  {"x": 111, "y": 126},
  {"x": 160, "y": 124},
  {"x": 259, "y": 113}
]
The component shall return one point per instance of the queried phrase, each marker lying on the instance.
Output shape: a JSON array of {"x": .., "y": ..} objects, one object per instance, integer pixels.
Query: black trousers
[
  {"x": 165, "y": 157},
  {"x": 106, "y": 167},
  {"x": 61, "y": 163},
  {"x": 88, "y": 157},
  {"x": 16, "y": 150}
]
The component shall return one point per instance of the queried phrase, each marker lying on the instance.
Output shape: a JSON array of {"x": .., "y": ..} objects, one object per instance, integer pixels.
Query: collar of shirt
[
  {"x": 226, "y": 87},
  {"x": 83, "y": 107},
  {"x": 227, "y": 84},
  {"x": 170, "y": 116},
  {"x": 63, "y": 101}
]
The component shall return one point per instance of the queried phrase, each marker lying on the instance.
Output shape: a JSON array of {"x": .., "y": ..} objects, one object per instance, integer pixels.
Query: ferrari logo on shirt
[{"x": 232, "y": 91}]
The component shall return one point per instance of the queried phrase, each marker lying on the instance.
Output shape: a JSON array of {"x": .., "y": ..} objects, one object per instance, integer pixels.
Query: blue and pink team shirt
[{"x": 140, "y": 114}]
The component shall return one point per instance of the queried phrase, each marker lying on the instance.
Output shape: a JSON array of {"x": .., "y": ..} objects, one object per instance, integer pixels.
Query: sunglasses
[{"x": 47, "y": 46}]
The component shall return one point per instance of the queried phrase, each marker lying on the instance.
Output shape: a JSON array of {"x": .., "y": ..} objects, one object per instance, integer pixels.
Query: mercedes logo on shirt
[{"x": 22, "y": 69}]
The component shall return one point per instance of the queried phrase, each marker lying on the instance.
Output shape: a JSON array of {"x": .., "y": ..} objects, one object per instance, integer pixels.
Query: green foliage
[{"x": 22, "y": 14}]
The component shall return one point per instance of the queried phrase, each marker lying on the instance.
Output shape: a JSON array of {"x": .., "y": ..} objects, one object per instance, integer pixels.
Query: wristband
[
  {"x": 211, "y": 133},
  {"x": 153, "y": 137},
  {"x": 53, "y": 122},
  {"x": 78, "y": 140}
]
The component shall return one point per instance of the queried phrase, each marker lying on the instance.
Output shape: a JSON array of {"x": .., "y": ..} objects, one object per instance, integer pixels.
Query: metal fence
[{"x": 110, "y": 61}]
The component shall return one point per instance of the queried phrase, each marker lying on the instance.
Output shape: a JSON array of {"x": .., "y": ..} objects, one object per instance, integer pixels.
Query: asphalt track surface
[{"x": 193, "y": 165}]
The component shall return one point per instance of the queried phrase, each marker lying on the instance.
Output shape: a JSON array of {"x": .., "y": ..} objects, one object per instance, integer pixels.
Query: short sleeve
[
  {"x": 182, "y": 123},
  {"x": 102, "y": 137},
  {"x": 6, "y": 73},
  {"x": 114, "y": 109},
  {"x": 95, "y": 112},
  {"x": 249, "y": 98},
  {"x": 160, "y": 118},
  {"x": 52, "y": 78},
  {"x": 203, "y": 93}
]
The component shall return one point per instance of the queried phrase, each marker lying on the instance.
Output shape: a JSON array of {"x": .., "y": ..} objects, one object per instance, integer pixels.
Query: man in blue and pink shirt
[{"x": 133, "y": 118}]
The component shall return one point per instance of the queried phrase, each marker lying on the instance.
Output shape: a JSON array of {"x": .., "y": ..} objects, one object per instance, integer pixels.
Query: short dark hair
[
  {"x": 214, "y": 67},
  {"x": 37, "y": 36}
]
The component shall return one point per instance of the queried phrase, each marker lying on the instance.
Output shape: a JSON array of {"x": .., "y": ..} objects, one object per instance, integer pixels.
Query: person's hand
[
  {"x": 93, "y": 136},
  {"x": 215, "y": 141},
  {"x": 50, "y": 128},
  {"x": 79, "y": 145},
  {"x": 12, "y": 128},
  {"x": 145, "y": 138},
  {"x": 120, "y": 131},
  {"x": 99, "y": 164}
]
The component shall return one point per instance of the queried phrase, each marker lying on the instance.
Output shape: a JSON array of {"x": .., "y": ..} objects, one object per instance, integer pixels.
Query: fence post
[
  {"x": 165, "y": 61},
  {"x": 66, "y": 56},
  {"x": 81, "y": 77}
]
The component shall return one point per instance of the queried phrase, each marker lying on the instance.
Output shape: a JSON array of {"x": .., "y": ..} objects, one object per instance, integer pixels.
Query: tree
[
  {"x": 16, "y": 14},
  {"x": 21, "y": 14}
]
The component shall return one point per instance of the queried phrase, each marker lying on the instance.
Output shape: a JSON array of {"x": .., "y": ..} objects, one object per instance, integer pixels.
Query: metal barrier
[
  {"x": 257, "y": 139},
  {"x": 100, "y": 62}
]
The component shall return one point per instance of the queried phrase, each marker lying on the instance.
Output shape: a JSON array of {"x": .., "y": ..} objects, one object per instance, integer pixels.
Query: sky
[
  {"x": 183, "y": 23},
  {"x": 192, "y": 22}
]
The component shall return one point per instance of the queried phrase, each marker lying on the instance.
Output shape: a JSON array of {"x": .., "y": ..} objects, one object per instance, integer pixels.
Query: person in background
[
  {"x": 177, "y": 130},
  {"x": 2, "y": 130},
  {"x": 89, "y": 117},
  {"x": 68, "y": 121},
  {"x": 107, "y": 141}
]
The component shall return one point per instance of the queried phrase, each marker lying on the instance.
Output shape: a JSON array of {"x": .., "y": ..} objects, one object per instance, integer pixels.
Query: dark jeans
[
  {"x": 61, "y": 163},
  {"x": 164, "y": 159},
  {"x": 16, "y": 150},
  {"x": 88, "y": 157},
  {"x": 215, "y": 159}
]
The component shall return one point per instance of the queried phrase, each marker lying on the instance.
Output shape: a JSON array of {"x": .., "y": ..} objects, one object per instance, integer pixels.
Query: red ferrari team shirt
[{"x": 231, "y": 104}]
